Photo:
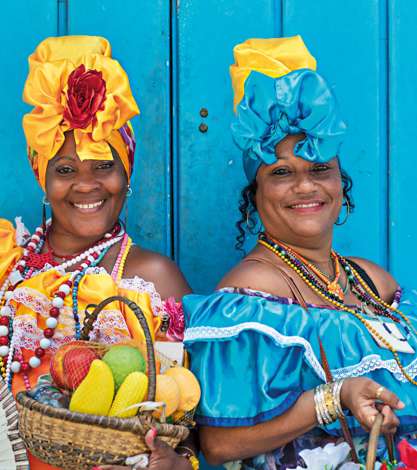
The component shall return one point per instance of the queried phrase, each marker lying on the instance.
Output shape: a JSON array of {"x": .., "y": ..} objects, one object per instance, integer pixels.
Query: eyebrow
[
  {"x": 58, "y": 158},
  {"x": 283, "y": 157}
]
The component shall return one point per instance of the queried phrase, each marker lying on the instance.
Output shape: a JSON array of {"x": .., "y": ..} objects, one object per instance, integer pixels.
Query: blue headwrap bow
[{"x": 272, "y": 108}]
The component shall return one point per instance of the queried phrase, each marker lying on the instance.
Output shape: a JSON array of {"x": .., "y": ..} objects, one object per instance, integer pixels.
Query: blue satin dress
[{"x": 255, "y": 354}]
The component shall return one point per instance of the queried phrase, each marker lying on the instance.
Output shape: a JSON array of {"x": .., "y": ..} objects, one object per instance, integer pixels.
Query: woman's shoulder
[
  {"x": 383, "y": 280},
  {"x": 259, "y": 274},
  {"x": 159, "y": 269}
]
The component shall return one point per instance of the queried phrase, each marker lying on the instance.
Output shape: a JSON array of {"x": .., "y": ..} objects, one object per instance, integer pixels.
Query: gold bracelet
[{"x": 329, "y": 401}]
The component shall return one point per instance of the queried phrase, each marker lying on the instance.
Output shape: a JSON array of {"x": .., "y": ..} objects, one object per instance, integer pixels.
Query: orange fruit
[
  {"x": 190, "y": 391},
  {"x": 167, "y": 391}
]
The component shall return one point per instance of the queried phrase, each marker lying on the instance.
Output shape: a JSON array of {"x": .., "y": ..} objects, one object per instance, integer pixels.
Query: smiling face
[
  {"x": 298, "y": 201},
  {"x": 86, "y": 196}
]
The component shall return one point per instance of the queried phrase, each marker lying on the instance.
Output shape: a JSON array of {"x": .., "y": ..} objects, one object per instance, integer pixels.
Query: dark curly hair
[{"x": 248, "y": 214}]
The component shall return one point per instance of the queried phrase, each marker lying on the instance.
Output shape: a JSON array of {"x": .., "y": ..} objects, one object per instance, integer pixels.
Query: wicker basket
[{"x": 79, "y": 441}]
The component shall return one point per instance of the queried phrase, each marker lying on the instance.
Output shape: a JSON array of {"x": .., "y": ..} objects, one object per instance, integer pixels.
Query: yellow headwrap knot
[
  {"x": 74, "y": 84},
  {"x": 273, "y": 57}
]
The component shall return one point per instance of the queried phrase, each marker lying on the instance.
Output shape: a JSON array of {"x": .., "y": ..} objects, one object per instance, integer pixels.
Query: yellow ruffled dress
[{"x": 32, "y": 299}]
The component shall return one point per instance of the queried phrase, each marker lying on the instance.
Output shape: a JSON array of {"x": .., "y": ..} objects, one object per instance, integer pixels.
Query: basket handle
[
  {"x": 373, "y": 443},
  {"x": 90, "y": 319}
]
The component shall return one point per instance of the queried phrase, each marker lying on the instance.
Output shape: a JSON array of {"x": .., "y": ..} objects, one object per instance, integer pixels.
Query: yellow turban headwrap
[
  {"x": 74, "y": 84},
  {"x": 273, "y": 57}
]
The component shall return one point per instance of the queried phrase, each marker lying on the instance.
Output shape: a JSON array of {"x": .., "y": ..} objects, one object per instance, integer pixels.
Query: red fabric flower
[
  {"x": 85, "y": 96},
  {"x": 176, "y": 319},
  {"x": 408, "y": 455}
]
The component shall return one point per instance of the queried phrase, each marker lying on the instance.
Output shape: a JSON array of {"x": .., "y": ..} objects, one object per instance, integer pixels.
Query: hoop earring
[
  {"x": 129, "y": 191},
  {"x": 45, "y": 203},
  {"x": 347, "y": 213}
]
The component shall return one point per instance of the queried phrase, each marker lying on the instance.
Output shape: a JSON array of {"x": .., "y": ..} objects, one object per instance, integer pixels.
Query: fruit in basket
[
  {"x": 77, "y": 363},
  {"x": 95, "y": 393},
  {"x": 57, "y": 362},
  {"x": 168, "y": 392},
  {"x": 123, "y": 360},
  {"x": 190, "y": 391},
  {"x": 133, "y": 390}
]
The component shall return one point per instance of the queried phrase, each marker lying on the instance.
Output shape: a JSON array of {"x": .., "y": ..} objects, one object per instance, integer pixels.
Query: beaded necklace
[
  {"x": 25, "y": 269},
  {"x": 355, "y": 279},
  {"x": 332, "y": 285}
]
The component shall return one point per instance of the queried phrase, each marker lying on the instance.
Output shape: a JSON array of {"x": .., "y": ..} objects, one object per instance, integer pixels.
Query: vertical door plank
[
  {"x": 139, "y": 35},
  {"x": 349, "y": 41},
  {"x": 23, "y": 24},
  {"x": 402, "y": 126},
  {"x": 209, "y": 166}
]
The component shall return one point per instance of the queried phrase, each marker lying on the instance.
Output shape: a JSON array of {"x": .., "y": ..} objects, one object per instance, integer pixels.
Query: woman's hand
[
  {"x": 366, "y": 398},
  {"x": 162, "y": 457}
]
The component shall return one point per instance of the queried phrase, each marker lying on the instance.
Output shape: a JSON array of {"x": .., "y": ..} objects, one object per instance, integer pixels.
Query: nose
[
  {"x": 305, "y": 183},
  {"x": 86, "y": 182}
]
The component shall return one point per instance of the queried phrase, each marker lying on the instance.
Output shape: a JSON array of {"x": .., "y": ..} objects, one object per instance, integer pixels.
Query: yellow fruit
[
  {"x": 167, "y": 391},
  {"x": 133, "y": 390},
  {"x": 95, "y": 393},
  {"x": 190, "y": 391}
]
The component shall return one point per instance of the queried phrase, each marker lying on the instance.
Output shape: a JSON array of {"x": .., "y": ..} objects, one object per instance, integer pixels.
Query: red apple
[
  {"x": 57, "y": 361},
  {"x": 77, "y": 363}
]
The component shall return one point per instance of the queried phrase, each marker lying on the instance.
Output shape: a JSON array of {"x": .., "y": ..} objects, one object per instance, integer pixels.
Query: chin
[
  {"x": 309, "y": 230},
  {"x": 92, "y": 229}
]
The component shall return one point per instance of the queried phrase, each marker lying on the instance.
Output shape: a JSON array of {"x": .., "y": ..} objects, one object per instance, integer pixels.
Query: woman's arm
[
  {"x": 221, "y": 445},
  {"x": 224, "y": 444}
]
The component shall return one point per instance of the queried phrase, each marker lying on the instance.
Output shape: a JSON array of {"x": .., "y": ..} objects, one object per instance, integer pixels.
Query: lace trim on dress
[
  {"x": 209, "y": 332},
  {"x": 366, "y": 365},
  {"x": 140, "y": 285},
  {"x": 109, "y": 328},
  {"x": 374, "y": 362}
]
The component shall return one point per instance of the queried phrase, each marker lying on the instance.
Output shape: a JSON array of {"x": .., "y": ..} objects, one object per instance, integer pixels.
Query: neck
[
  {"x": 67, "y": 244},
  {"x": 317, "y": 252}
]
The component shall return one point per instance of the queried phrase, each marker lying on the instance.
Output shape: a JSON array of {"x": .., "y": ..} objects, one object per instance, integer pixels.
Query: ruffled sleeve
[
  {"x": 256, "y": 354},
  {"x": 249, "y": 371}
]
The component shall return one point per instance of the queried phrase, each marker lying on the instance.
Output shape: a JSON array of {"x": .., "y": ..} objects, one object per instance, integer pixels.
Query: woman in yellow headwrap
[
  {"x": 296, "y": 334},
  {"x": 81, "y": 148}
]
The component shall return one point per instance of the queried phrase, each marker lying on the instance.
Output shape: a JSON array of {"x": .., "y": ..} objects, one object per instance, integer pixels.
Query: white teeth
[
  {"x": 305, "y": 206},
  {"x": 89, "y": 206}
]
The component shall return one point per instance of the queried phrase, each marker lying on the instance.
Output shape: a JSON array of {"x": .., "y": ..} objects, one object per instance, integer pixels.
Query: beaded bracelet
[{"x": 327, "y": 402}]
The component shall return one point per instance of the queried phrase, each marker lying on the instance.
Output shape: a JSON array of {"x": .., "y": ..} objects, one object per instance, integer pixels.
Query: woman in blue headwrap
[{"x": 299, "y": 346}]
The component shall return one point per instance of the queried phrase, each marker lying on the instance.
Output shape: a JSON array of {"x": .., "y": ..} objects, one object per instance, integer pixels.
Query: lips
[
  {"x": 88, "y": 206},
  {"x": 306, "y": 206}
]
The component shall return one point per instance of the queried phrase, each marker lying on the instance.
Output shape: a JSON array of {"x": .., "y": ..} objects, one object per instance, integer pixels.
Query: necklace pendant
[{"x": 334, "y": 288}]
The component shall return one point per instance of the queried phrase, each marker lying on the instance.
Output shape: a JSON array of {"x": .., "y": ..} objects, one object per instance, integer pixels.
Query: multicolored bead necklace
[
  {"x": 30, "y": 264},
  {"x": 332, "y": 285},
  {"x": 355, "y": 280}
]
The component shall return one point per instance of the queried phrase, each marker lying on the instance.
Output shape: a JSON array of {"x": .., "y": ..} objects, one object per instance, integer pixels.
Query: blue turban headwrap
[{"x": 272, "y": 108}]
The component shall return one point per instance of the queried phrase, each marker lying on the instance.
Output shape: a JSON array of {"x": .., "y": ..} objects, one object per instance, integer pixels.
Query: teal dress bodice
[{"x": 255, "y": 354}]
